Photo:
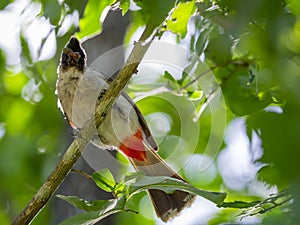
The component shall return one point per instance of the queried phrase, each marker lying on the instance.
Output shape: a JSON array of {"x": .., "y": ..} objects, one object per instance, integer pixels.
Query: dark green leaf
[
  {"x": 185, "y": 73},
  {"x": 170, "y": 185},
  {"x": 195, "y": 95},
  {"x": 4, "y": 3},
  {"x": 89, "y": 218},
  {"x": 242, "y": 98},
  {"x": 156, "y": 9},
  {"x": 104, "y": 179},
  {"x": 202, "y": 40},
  {"x": 52, "y": 10},
  {"x": 77, "y": 5},
  {"x": 85, "y": 205},
  {"x": 26, "y": 55},
  {"x": 238, "y": 204},
  {"x": 219, "y": 49},
  {"x": 168, "y": 76}
]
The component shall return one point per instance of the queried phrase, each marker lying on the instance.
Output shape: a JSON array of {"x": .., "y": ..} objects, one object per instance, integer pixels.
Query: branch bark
[{"x": 73, "y": 153}]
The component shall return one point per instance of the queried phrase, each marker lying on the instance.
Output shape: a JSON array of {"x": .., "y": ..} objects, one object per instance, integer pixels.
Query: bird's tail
[{"x": 166, "y": 205}]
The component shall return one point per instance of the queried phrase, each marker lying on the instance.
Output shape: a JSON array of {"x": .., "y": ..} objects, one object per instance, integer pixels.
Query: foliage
[
  {"x": 124, "y": 191},
  {"x": 252, "y": 48}
]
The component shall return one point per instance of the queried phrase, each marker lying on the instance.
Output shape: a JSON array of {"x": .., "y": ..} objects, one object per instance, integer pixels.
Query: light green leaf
[
  {"x": 180, "y": 18},
  {"x": 94, "y": 15},
  {"x": 85, "y": 205},
  {"x": 104, "y": 179},
  {"x": 195, "y": 96},
  {"x": 124, "y": 5},
  {"x": 169, "y": 76},
  {"x": 119, "y": 189},
  {"x": 170, "y": 185}
]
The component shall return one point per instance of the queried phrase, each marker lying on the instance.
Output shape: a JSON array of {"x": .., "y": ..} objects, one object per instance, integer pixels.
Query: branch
[{"x": 74, "y": 151}]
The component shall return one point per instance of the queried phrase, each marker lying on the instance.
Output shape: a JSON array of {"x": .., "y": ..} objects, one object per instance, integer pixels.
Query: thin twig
[
  {"x": 198, "y": 77},
  {"x": 82, "y": 173}
]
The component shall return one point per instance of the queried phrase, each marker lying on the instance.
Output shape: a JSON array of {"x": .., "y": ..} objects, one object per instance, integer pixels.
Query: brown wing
[{"x": 143, "y": 123}]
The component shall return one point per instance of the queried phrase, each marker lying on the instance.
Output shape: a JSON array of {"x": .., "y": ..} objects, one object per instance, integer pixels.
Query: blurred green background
[{"x": 251, "y": 47}]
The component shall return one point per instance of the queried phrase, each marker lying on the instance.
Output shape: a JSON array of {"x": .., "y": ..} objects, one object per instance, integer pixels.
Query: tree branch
[{"x": 74, "y": 151}]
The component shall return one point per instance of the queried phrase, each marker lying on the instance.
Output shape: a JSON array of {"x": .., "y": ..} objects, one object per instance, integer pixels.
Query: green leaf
[
  {"x": 104, "y": 179},
  {"x": 195, "y": 95},
  {"x": 25, "y": 54},
  {"x": 242, "y": 98},
  {"x": 139, "y": 19},
  {"x": 156, "y": 9},
  {"x": 131, "y": 178},
  {"x": 85, "y": 205},
  {"x": 89, "y": 218},
  {"x": 238, "y": 204},
  {"x": 202, "y": 40},
  {"x": 52, "y": 10},
  {"x": 94, "y": 11},
  {"x": 170, "y": 185},
  {"x": 279, "y": 133},
  {"x": 119, "y": 189},
  {"x": 185, "y": 73},
  {"x": 169, "y": 76},
  {"x": 219, "y": 49},
  {"x": 4, "y": 3},
  {"x": 180, "y": 18},
  {"x": 124, "y": 5},
  {"x": 77, "y": 5}
]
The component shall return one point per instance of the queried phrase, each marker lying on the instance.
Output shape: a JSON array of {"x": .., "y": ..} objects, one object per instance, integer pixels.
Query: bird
[{"x": 79, "y": 90}]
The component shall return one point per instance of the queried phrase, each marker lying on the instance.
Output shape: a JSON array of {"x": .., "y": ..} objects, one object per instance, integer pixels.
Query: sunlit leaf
[
  {"x": 180, "y": 17},
  {"x": 26, "y": 54},
  {"x": 195, "y": 96},
  {"x": 14, "y": 83},
  {"x": 94, "y": 15},
  {"x": 104, "y": 179},
  {"x": 124, "y": 5}
]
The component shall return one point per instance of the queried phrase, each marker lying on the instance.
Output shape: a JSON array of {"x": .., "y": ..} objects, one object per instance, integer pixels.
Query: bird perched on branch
[{"x": 79, "y": 90}]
